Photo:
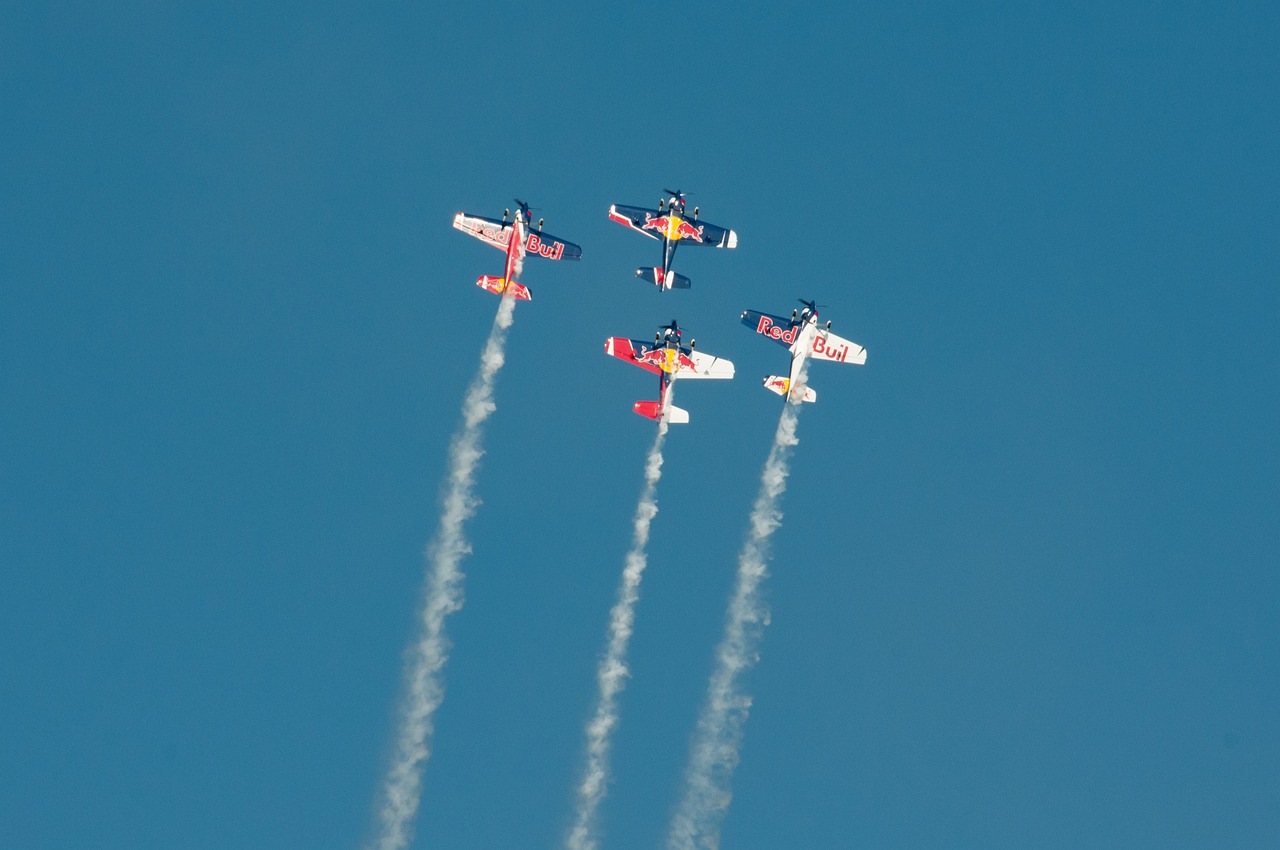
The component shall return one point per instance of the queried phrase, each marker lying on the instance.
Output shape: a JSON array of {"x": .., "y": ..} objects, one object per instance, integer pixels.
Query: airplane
[
  {"x": 805, "y": 338},
  {"x": 518, "y": 240},
  {"x": 668, "y": 223},
  {"x": 670, "y": 359}
]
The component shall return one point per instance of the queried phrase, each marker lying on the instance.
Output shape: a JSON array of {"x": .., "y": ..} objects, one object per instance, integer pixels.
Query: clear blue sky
[{"x": 1026, "y": 591}]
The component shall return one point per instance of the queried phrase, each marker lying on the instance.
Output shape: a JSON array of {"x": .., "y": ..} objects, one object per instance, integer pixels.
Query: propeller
[{"x": 672, "y": 329}]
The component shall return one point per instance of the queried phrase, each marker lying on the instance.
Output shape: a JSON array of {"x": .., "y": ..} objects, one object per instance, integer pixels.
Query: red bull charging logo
[
  {"x": 669, "y": 359},
  {"x": 673, "y": 227}
]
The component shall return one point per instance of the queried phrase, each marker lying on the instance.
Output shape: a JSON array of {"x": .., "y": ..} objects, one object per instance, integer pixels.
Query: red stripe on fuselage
[{"x": 515, "y": 248}]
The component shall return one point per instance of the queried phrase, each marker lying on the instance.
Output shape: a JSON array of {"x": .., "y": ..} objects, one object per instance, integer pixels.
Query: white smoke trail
[
  {"x": 612, "y": 673},
  {"x": 424, "y": 681},
  {"x": 718, "y": 738}
]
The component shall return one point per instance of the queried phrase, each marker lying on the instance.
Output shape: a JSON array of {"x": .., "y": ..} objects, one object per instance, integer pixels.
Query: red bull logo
[
  {"x": 669, "y": 360},
  {"x": 535, "y": 245},
  {"x": 769, "y": 329},
  {"x": 685, "y": 230},
  {"x": 656, "y": 356},
  {"x": 673, "y": 227},
  {"x": 660, "y": 224}
]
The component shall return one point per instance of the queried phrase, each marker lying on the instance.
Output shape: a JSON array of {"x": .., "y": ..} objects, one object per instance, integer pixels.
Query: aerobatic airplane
[
  {"x": 804, "y": 338},
  {"x": 670, "y": 359},
  {"x": 669, "y": 223},
  {"x": 518, "y": 240}
]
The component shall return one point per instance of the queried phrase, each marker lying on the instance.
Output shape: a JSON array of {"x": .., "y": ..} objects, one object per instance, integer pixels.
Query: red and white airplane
[
  {"x": 670, "y": 360},
  {"x": 804, "y": 338},
  {"x": 518, "y": 240}
]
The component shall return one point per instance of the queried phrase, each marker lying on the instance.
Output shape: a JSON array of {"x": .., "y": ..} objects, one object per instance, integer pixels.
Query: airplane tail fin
[
  {"x": 653, "y": 410},
  {"x": 496, "y": 285},
  {"x": 666, "y": 280},
  {"x": 782, "y": 386}
]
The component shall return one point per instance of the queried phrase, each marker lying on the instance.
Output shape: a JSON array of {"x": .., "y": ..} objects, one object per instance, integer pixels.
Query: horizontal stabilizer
[
  {"x": 666, "y": 280},
  {"x": 653, "y": 410},
  {"x": 497, "y": 285},
  {"x": 782, "y": 386}
]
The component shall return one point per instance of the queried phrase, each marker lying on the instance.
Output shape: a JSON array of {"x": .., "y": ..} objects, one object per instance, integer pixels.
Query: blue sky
[{"x": 1026, "y": 590}]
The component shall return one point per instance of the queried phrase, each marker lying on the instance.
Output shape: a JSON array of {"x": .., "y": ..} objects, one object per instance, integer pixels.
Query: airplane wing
[
  {"x": 706, "y": 366},
  {"x": 634, "y": 218},
  {"x": 487, "y": 230},
  {"x": 633, "y": 351},
  {"x": 827, "y": 346},
  {"x": 713, "y": 235},
  {"x": 543, "y": 244},
  {"x": 777, "y": 328}
]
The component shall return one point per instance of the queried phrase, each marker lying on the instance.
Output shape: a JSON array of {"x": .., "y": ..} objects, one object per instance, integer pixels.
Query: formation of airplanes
[{"x": 667, "y": 356}]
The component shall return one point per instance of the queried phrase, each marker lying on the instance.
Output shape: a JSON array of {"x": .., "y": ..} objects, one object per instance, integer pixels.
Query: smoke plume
[
  {"x": 717, "y": 739},
  {"x": 442, "y": 596},
  {"x": 612, "y": 672}
]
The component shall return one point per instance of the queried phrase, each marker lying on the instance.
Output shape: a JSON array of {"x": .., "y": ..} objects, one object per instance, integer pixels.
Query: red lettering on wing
[
  {"x": 769, "y": 329},
  {"x": 820, "y": 347}
]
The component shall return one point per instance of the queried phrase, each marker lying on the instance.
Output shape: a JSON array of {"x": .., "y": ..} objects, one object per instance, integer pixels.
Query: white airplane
[{"x": 804, "y": 338}]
